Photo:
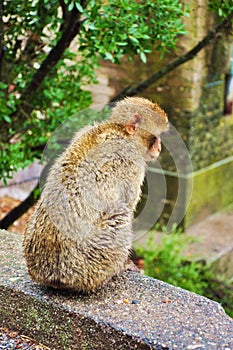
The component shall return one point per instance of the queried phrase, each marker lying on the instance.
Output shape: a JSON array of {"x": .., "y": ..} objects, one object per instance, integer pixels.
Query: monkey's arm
[{"x": 119, "y": 173}]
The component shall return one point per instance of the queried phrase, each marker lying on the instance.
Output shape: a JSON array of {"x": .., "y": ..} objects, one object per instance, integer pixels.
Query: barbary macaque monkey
[{"x": 80, "y": 234}]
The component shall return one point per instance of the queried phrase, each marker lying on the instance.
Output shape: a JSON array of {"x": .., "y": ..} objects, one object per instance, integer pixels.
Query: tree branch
[
  {"x": 26, "y": 204},
  {"x": 20, "y": 209},
  {"x": 131, "y": 91},
  {"x": 70, "y": 31}
]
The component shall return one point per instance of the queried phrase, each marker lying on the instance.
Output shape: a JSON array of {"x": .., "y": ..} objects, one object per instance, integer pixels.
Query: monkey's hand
[
  {"x": 116, "y": 216},
  {"x": 113, "y": 229}
]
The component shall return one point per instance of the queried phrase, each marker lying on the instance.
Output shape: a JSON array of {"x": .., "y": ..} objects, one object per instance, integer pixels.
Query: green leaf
[
  {"x": 3, "y": 86},
  {"x": 7, "y": 118},
  {"x": 133, "y": 39},
  {"x": 108, "y": 56},
  {"x": 143, "y": 57},
  {"x": 79, "y": 7},
  {"x": 220, "y": 13},
  {"x": 91, "y": 25},
  {"x": 71, "y": 6}
]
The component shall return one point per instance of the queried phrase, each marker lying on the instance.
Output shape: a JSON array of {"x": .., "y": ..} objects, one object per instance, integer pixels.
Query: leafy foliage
[
  {"x": 222, "y": 7},
  {"x": 43, "y": 81},
  {"x": 126, "y": 27},
  {"x": 165, "y": 261}
]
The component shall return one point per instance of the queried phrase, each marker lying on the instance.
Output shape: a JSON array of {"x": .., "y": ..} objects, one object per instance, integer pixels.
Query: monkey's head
[{"x": 144, "y": 121}]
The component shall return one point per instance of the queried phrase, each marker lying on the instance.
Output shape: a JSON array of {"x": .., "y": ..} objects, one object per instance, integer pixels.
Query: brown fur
[{"x": 80, "y": 234}]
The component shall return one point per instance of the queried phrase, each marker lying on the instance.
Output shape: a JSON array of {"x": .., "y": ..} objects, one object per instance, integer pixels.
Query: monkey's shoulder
[{"x": 116, "y": 151}]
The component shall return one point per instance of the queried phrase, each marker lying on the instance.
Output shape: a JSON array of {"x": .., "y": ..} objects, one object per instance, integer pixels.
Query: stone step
[
  {"x": 214, "y": 244},
  {"x": 131, "y": 312}
]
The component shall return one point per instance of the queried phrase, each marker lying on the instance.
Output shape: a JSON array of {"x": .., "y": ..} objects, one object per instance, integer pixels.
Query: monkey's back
[{"x": 80, "y": 234}]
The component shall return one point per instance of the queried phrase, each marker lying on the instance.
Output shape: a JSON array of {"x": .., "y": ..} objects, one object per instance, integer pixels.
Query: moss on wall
[
  {"x": 210, "y": 133},
  {"x": 212, "y": 190}
]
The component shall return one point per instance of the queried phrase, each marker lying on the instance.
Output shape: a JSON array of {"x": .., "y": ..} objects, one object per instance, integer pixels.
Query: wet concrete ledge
[{"x": 131, "y": 312}]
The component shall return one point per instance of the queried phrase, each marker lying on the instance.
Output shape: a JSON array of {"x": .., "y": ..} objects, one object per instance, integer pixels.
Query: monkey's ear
[{"x": 133, "y": 123}]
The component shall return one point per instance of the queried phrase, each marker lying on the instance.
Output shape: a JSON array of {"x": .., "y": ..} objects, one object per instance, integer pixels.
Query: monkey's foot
[{"x": 130, "y": 266}]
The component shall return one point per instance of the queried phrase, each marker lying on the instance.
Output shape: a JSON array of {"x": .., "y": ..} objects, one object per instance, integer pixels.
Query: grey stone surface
[
  {"x": 131, "y": 312},
  {"x": 214, "y": 243}
]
